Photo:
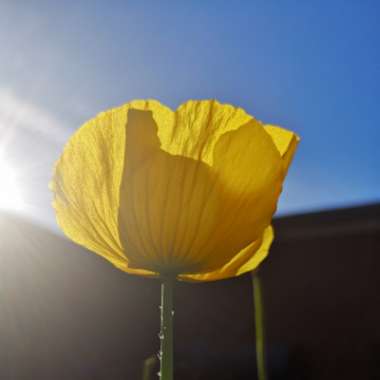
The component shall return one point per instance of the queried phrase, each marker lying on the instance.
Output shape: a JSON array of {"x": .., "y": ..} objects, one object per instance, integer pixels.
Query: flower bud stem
[
  {"x": 259, "y": 326},
  {"x": 166, "y": 332}
]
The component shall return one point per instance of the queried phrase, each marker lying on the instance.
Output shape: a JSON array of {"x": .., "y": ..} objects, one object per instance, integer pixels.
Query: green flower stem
[
  {"x": 259, "y": 326},
  {"x": 166, "y": 332}
]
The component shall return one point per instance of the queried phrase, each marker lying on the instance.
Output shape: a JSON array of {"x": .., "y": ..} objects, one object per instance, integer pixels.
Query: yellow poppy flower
[{"x": 189, "y": 193}]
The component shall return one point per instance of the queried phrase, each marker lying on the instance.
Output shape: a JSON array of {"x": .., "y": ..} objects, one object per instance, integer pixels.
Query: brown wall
[
  {"x": 322, "y": 290},
  {"x": 67, "y": 314}
]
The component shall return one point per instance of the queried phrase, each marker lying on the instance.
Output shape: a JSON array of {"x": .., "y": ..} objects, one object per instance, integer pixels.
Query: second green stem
[{"x": 259, "y": 327}]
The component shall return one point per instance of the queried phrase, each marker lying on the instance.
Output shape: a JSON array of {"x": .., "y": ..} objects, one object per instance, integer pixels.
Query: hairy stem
[{"x": 166, "y": 332}]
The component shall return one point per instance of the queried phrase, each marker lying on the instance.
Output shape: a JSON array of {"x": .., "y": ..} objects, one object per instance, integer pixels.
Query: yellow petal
[
  {"x": 166, "y": 202},
  {"x": 247, "y": 260},
  {"x": 250, "y": 172},
  {"x": 194, "y": 128},
  {"x": 197, "y": 127},
  {"x": 86, "y": 186},
  {"x": 285, "y": 141}
]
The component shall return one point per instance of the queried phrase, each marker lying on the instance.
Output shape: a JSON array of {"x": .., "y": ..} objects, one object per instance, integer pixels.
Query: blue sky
[{"x": 313, "y": 67}]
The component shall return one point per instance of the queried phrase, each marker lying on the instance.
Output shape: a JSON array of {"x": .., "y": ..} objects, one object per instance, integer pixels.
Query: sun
[{"x": 10, "y": 191}]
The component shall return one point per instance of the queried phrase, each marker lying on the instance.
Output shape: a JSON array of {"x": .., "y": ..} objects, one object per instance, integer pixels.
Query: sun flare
[{"x": 10, "y": 192}]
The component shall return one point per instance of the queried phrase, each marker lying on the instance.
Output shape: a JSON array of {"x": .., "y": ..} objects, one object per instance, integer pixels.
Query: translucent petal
[
  {"x": 250, "y": 172},
  {"x": 246, "y": 260},
  {"x": 165, "y": 201},
  {"x": 285, "y": 141},
  {"x": 197, "y": 127},
  {"x": 86, "y": 186}
]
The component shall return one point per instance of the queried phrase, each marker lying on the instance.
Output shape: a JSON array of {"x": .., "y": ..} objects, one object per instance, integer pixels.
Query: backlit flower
[{"x": 189, "y": 193}]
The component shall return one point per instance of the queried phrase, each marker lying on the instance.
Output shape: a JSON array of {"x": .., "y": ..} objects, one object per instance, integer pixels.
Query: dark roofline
[{"x": 338, "y": 222}]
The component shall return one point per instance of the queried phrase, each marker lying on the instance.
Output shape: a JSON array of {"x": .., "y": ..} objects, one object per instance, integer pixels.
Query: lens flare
[{"x": 10, "y": 191}]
